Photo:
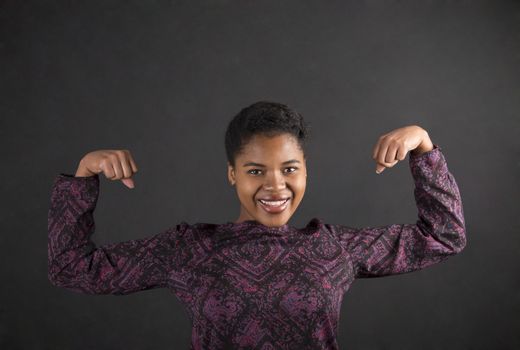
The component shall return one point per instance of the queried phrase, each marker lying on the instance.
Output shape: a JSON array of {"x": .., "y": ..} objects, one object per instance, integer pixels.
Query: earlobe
[{"x": 231, "y": 175}]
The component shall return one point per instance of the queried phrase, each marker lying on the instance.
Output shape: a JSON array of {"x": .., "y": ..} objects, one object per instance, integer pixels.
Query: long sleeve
[
  {"x": 77, "y": 264},
  {"x": 400, "y": 248}
]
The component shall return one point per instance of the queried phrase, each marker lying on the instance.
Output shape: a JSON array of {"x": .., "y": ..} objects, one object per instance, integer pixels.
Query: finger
[
  {"x": 116, "y": 164},
  {"x": 375, "y": 150},
  {"x": 401, "y": 153},
  {"x": 377, "y": 156},
  {"x": 388, "y": 165},
  {"x": 386, "y": 156},
  {"x": 391, "y": 153},
  {"x": 381, "y": 167},
  {"x": 381, "y": 153},
  {"x": 132, "y": 163},
  {"x": 107, "y": 169},
  {"x": 125, "y": 165},
  {"x": 128, "y": 182}
]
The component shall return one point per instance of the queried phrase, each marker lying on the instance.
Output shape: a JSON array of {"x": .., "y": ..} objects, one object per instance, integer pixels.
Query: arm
[
  {"x": 400, "y": 248},
  {"x": 74, "y": 261}
]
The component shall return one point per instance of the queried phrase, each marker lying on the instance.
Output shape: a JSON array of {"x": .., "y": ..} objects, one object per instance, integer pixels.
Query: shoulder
[{"x": 332, "y": 228}]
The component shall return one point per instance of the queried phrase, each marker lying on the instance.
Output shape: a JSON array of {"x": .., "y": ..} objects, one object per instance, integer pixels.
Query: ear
[{"x": 231, "y": 174}]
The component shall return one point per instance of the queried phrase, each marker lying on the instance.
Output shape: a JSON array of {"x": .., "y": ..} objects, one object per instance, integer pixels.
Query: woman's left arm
[{"x": 438, "y": 233}]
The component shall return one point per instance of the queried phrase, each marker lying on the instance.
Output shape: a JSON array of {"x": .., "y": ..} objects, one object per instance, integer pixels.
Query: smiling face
[{"x": 269, "y": 168}]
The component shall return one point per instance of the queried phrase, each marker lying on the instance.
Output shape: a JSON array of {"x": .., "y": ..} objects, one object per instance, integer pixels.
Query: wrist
[
  {"x": 82, "y": 171},
  {"x": 425, "y": 146}
]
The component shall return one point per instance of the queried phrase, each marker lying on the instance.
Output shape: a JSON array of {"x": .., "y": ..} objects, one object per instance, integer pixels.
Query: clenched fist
[
  {"x": 393, "y": 146},
  {"x": 115, "y": 164}
]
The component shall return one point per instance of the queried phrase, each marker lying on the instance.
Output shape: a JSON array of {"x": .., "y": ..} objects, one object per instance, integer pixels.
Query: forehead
[{"x": 280, "y": 147}]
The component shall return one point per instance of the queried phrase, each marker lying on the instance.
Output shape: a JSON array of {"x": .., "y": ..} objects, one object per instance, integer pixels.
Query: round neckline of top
[
  {"x": 255, "y": 223},
  {"x": 231, "y": 226}
]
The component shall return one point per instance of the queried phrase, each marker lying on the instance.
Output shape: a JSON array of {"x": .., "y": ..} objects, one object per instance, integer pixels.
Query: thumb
[
  {"x": 379, "y": 169},
  {"x": 128, "y": 182}
]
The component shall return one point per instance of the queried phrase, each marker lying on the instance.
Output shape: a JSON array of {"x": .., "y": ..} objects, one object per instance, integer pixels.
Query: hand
[
  {"x": 393, "y": 146},
  {"x": 115, "y": 164}
]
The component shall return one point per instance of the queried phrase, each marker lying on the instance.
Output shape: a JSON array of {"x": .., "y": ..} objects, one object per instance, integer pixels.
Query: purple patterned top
[{"x": 246, "y": 285}]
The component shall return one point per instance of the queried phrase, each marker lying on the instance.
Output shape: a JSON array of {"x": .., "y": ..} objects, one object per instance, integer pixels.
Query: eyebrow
[{"x": 261, "y": 165}]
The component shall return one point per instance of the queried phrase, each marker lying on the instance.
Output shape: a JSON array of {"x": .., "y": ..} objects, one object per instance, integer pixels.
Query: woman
[{"x": 257, "y": 282}]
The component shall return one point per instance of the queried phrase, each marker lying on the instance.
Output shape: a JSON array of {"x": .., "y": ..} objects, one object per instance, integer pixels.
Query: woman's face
[{"x": 268, "y": 169}]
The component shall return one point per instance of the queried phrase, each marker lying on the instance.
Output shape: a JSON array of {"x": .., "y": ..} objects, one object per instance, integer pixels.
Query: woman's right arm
[{"x": 77, "y": 264}]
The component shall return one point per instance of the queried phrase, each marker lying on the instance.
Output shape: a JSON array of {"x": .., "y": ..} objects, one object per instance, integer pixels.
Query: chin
[{"x": 276, "y": 221}]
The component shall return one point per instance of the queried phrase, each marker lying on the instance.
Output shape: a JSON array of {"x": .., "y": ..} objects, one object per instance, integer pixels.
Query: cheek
[
  {"x": 247, "y": 188},
  {"x": 299, "y": 187},
  {"x": 246, "y": 198}
]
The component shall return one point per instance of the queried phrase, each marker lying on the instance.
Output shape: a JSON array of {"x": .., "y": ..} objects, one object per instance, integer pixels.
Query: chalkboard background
[{"x": 163, "y": 78}]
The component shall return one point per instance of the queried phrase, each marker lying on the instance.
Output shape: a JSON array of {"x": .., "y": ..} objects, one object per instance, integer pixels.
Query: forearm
[{"x": 438, "y": 200}]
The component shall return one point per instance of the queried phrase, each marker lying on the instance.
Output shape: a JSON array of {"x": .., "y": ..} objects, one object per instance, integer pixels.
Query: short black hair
[{"x": 266, "y": 118}]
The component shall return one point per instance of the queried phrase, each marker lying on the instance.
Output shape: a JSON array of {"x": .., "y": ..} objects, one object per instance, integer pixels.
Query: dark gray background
[{"x": 163, "y": 78}]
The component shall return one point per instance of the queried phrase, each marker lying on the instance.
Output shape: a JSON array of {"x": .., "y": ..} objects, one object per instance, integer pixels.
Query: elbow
[
  {"x": 461, "y": 246},
  {"x": 458, "y": 241},
  {"x": 451, "y": 242},
  {"x": 52, "y": 275},
  {"x": 79, "y": 283},
  {"x": 56, "y": 282},
  {"x": 51, "y": 279},
  {"x": 73, "y": 286},
  {"x": 54, "y": 279}
]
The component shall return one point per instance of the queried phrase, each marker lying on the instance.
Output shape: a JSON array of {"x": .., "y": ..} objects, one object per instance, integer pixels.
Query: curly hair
[{"x": 265, "y": 118}]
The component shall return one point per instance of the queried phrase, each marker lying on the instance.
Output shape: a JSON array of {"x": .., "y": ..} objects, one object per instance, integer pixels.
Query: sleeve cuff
[
  {"x": 426, "y": 162},
  {"x": 85, "y": 187},
  {"x": 435, "y": 148},
  {"x": 68, "y": 176}
]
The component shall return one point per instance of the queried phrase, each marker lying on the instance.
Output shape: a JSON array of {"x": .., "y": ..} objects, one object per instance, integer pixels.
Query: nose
[{"x": 274, "y": 181}]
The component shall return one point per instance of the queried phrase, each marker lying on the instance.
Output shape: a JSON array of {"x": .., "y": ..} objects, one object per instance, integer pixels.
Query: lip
[
  {"x": 275, "y": 198},
  {"x": 279, "y": 209}
]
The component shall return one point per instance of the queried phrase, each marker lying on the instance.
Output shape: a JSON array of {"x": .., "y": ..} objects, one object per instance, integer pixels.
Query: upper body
[{"x": 250, "y": 284}]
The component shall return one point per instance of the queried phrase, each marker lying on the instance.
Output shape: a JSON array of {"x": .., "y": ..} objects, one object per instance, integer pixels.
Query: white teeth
[{"x": 273, "y": 203}]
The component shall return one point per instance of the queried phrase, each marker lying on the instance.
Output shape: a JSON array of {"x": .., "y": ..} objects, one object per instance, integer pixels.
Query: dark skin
[
  {"x": 280, "y": 169},
  {"x": 272, "y": 176},
  {"x": 276, "y": 178}
]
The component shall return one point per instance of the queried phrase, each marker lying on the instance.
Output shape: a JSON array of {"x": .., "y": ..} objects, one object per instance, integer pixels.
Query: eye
[
  {"x": 250, "y": 171},
  {"x": 291, "y": 168}
]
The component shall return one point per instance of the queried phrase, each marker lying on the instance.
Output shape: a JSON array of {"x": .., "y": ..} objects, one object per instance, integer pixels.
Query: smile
[{"x": 274, "y": 206}]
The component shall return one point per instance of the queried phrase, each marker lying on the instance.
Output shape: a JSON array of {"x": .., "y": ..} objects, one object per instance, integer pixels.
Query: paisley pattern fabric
[{"x": 246, "y": 285}]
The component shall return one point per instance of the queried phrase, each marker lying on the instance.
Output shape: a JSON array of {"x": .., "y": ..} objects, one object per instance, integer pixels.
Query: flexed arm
[
  {"x": 438, "y": 233},
  {"x": 76, "y": 263}
]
